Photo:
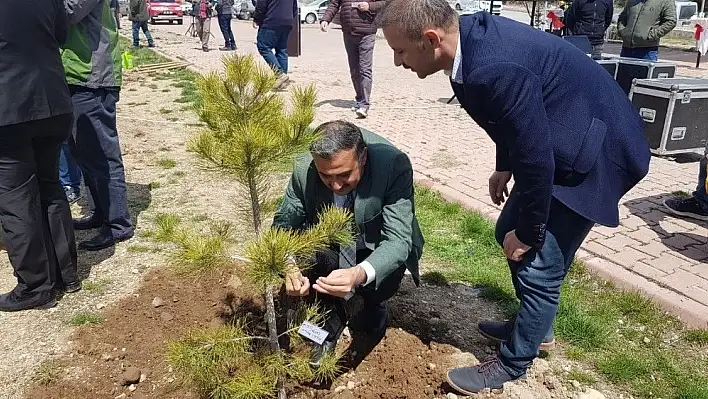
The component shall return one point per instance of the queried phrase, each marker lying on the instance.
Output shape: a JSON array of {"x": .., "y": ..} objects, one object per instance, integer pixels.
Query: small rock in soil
[
  {"x": 121, "y": 396},
  {"x": 143, "y": 377},
  {"x": 434, "y": 320},
  {"x": 106, "y": 357},
  {"x": 131, "y": 375},
  {"x": 591, "y": 394},
  {"x": 166, "y": 316},
  {"x": 450, "y": 396},
  {"x": 431, "y": 366},
  {"x": 157, "y": 302},
  {"x": 100, "y": 306},
  {"x": 575, "y": 384},
  {"x": 350, "y": 385},
  {"x": 132, "y": 387},
  {"x": 234, "y": 282},
  {"x": 339, "y": 389}
]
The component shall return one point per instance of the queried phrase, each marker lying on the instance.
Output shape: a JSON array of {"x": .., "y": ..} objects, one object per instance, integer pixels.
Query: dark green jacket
[
  {"x": 138, "y": 11},
  {"x": 384, "y": 209},
  {"x": 642, "y": 24}
]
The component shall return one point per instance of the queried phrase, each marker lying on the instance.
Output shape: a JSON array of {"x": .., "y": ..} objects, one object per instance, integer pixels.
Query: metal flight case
[
  {"x": 629, "y": 69},
  {"x": 610, "y": 65},
  {"x": 675, "y": 113}
]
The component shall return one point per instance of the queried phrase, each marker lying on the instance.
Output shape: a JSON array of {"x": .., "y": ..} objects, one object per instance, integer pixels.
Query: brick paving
[{"x": 663, "y": 256}]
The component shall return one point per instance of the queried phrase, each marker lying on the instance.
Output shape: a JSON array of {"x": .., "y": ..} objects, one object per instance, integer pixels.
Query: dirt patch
[{"x": 410, "y": 362}]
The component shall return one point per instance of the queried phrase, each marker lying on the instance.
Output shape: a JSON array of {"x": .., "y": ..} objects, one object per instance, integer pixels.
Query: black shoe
[
  {"x": 102, "y": 241},
  {"x": 499, "y": 331},
  {"x": 471, "y": 380},
  {"x": 233, "y": 48},
  {"x": 205, "y": 49},
  {"x": 72, "y": 195},
  {"x": 225, "y": 48},
  {"x": 151, "y": 45},
  {"x": 87, "y": 223},
  {"x": 11, "y": 302},
  {"x": 72, "y": 287},
  {"x": 686, "y": 207}
]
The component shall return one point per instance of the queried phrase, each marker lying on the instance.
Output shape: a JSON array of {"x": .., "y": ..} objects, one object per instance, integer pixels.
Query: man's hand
[
  {"x": 497, "y": 186},
  {"x": 341, "y": 282},
  {"x": 296, "y": 284},
  {"x": 513, "y": 248},
  {"x": 324, "y": 26},
  {"x": 255, "y": 25},
  {"x": 363, "y": 6}
]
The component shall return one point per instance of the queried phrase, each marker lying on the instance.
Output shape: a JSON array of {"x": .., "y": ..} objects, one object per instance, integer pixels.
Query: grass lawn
[{"x": 627, "y": 339}]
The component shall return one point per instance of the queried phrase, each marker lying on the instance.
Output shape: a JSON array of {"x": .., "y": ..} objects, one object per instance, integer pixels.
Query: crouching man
[{"x": 374, "y": 180}]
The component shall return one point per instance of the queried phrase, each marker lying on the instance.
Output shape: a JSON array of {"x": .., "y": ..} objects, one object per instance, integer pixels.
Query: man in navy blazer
[{"x": 563, "y": 129}]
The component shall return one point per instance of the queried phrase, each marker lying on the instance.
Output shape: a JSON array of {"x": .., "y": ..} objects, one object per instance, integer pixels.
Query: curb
[{"x": 693, "y": 313}]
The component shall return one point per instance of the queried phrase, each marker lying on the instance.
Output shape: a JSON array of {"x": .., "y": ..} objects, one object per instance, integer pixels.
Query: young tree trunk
[
  {"x": 273, "y": 334},
  {"x": 255, "y": 203}
]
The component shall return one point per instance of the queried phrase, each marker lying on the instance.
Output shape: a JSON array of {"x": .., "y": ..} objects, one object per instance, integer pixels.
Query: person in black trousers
[{"x": 35, "y": 118}]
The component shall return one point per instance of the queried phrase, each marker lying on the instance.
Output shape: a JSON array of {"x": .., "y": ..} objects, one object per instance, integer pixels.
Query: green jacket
[
  {"x": 91, "y": 54},
  {"x": 384, "y": 209},
  {"x": 138, "y": 11},
  {"x": 642, "y": 24}
]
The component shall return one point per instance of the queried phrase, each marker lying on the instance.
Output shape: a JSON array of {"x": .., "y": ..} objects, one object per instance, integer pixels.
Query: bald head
[{"x": 423, "y": 34}]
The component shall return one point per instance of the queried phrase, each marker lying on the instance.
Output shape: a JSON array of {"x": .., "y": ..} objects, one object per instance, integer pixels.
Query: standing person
[
  {"x": 115, "y": 6},
  {"x": 69, "y": 174},
  {"x": 225, "y": 9},
  {"x": 590, "y": 18},
  {"x": 139, "y": 15},
  {"x": 274, "y": 21},
  {"x": 202, "y": 12},
  {"x": 359, "y": 32},
  {"x": 92, "y": 64},
  {"x": 35, "y": 118},
  {"x": 642, "y": 24},
  {"x": 521, "y": 86}
]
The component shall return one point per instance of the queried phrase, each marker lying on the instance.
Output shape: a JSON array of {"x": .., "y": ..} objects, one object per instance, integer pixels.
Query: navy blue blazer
[{"x": 561, "y": 124}]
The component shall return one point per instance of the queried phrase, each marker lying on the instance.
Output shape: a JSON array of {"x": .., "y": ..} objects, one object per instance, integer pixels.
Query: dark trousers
[
  {"x": 272, "y": 44},
  {"x": 137, "y": 26},
  {"x": 69, "y": 171},
  {"x": 225, "y": 26},
  {"x": 34, "y": 211},
  {"x": 538, "y": 278},
  {"x": 360, "y": 53},
  {"x": 644, "y": 53},
  {"x": 96, "y": 147},
  {"x": 373, "y": 299}
]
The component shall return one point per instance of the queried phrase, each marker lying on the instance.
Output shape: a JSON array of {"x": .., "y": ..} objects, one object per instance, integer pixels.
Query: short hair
[
  {"x": 336, "y": 136},
  {"x": 412, "y": 17}
]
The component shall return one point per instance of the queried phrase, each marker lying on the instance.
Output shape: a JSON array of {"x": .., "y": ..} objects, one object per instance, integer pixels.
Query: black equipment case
[
  {"x": 610, "y": 66},
  {"x": 629, "y": 69},
  {"x": 675, "y": 113}
]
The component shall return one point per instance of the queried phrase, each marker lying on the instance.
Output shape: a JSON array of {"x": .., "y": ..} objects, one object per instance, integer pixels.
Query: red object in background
[
  {"x": 699, "y": 30},
  {"x": 556, "y": 23},
  {"x": 165, "y": 10}
]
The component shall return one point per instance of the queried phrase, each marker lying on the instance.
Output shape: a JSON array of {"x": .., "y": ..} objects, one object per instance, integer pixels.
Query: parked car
[
  {"x": 186, "y": 7},
  {"x": 165, "y": 10},
  {"x": 246, "y": 9},
  {"x": 312, "y": 13}
]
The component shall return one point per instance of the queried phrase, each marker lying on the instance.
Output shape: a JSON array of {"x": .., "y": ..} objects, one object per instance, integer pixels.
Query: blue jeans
[
  {"x": 97, "y": 148},
  {"x": 700, "y": 194},
  {"x": 137, "y": 26},
  {"x": 69, "y": 171},
  {"x": 269, "y": 40},
  {"x": 538, "y": 278},
  {"x": 225, "y": 26},
  {"x": 644, "y": 53}
]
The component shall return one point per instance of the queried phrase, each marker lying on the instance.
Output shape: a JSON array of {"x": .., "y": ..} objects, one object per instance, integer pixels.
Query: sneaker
[
  {"x": 72, "y": 195},
  {"x": 282, "y": 80},
  {"x": 151, "y": 44},
  {"x": 487, "y": 375},
  {"x": 499, "y": 331},
  {"x": 685, "y": 207},
  {"x": 362, "y": 113},
  {"x": 226, "y": 48}
]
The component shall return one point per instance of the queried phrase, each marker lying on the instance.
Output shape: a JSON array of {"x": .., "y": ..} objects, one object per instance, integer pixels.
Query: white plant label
[{"x": 312, "y": 332}]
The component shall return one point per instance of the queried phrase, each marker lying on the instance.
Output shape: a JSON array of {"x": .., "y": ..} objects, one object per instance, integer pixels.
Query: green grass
[
  {"x": 601, "y": 327},
  {"x": 582, "y": 377},
  {"x": 166, "y": 163},
  {"x": 85, "y": 318},
  {"x": 139, "y": 249},
  {"x": 96, "y": 286},
  {"x": 48, "y": 372},
  {"x": 165, "y": 111}
]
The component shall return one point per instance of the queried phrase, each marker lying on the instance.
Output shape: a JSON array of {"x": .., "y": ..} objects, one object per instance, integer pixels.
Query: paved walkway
[{"x": 659, "y": 254}]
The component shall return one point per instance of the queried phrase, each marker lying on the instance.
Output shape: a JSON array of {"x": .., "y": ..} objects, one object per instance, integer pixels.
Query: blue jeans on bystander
[{"x": 272, "y": 44}]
